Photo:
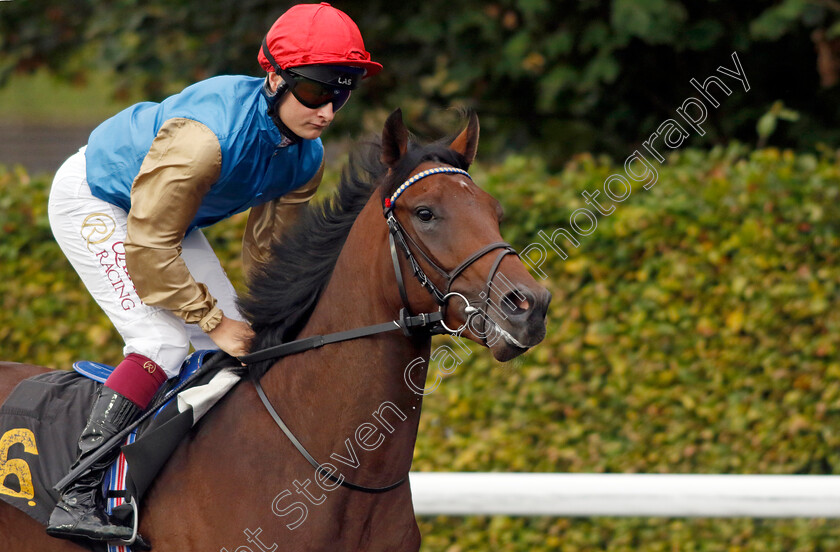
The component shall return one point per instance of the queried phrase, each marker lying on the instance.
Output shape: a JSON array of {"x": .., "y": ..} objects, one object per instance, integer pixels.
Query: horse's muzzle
[{"x": 519, "y": 320}]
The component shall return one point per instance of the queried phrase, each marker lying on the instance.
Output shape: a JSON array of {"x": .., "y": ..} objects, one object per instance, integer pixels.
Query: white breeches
[{"x": 91, "y": 233}]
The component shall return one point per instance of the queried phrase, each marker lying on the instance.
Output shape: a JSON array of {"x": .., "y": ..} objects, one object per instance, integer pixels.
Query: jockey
[{"x": 127, "y": 211}]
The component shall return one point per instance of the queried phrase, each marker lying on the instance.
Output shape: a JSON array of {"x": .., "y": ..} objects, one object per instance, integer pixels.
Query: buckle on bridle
[
  {"x": 392, "y": 222},
  {"x": 424, "y": 320}
]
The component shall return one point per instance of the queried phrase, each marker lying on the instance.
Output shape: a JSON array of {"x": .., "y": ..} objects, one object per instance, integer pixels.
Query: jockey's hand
[{"x": 232, "y": 336}]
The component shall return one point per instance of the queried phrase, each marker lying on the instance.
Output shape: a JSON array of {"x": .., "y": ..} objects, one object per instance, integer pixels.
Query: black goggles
[
  {"x": 315, "y": 86},
  {"x": 314, "y": 94}
]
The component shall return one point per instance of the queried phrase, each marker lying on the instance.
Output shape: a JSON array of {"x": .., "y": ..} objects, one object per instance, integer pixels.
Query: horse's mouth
[
  {"x": 506, "y": 346},
  {"x": 510, "y": 340},
  {"x": 511, "y": 331}
]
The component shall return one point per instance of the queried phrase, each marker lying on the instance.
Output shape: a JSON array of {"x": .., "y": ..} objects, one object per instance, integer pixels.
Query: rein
[{"x": 430, "y": 322}]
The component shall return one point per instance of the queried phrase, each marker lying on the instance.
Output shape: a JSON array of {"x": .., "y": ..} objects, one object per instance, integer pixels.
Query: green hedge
[
  {"x": 559, "y": 77},
  {"x": 694, "y": 331}
]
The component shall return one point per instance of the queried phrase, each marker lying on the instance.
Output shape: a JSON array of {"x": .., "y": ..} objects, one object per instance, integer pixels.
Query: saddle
[{"x": 41, "y": 420}]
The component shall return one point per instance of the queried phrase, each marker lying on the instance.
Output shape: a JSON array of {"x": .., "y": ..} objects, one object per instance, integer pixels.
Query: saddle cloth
[{"x": 42, "y": 419}]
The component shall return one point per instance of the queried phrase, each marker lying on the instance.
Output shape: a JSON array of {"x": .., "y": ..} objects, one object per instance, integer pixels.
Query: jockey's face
[{"x": 306, "y": 122}]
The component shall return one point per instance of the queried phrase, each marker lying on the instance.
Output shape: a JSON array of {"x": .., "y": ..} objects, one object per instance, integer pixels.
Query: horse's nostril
[{"x": 514, "y": 303}]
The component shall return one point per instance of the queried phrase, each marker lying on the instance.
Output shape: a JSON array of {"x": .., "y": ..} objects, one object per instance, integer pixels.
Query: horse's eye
[{"x": 424, "y": 214}]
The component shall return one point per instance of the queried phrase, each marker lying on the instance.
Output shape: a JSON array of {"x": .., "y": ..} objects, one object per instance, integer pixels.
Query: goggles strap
[{"x": 269, "y": 57}]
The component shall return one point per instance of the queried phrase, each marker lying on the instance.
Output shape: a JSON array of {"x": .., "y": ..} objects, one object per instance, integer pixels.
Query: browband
[{"x": 389, "y": 201}]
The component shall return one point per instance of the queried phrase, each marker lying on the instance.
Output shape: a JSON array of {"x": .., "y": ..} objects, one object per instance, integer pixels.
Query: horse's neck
[{"x": 351, "y": 398}]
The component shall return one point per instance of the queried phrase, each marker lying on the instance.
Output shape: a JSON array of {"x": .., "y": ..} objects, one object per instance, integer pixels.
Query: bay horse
[{"x": 236, "y": 483}]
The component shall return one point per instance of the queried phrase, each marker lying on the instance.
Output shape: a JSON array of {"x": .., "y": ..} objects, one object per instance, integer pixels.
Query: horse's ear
[
  {"x": 394, "y": 139},
  {"x": 467, "y": 142}
]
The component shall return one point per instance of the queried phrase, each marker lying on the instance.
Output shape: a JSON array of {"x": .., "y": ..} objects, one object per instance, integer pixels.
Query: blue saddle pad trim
[
  {"x": 100, "y": 372},
  {"x": 93, "y": 370}
]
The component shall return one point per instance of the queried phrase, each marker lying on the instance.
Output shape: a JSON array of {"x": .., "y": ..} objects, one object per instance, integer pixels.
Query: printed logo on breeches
[{"x": 97, "y": 227}]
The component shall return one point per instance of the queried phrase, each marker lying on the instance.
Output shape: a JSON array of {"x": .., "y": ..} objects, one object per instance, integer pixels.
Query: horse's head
[{"x": 449, "y": 227}]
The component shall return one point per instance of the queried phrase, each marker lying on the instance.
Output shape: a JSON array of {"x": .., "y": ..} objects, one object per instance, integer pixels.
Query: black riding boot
[{"x": 80, "y": 512}]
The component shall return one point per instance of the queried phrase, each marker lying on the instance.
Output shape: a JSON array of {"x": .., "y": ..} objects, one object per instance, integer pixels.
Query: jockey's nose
[{"x": 326, "y": 112}]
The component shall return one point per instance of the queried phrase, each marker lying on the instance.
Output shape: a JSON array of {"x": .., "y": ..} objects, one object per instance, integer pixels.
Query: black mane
[{"x": 283, "y": 293}]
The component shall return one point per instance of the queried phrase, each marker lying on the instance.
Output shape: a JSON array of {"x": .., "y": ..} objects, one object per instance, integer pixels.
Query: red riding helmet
[{"x": 315, "y": 34}]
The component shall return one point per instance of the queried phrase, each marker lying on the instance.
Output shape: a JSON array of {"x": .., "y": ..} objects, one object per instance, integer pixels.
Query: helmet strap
[{"x": 273, "y": 99}]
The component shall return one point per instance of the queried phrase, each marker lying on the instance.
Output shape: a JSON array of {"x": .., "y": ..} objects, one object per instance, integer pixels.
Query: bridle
[
  {"x": 427, "y": 323},
  {"x": 398, "y": 237}
]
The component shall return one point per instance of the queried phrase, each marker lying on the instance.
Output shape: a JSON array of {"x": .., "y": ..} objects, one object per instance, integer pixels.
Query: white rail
[{"x": 626, "y": 495}]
